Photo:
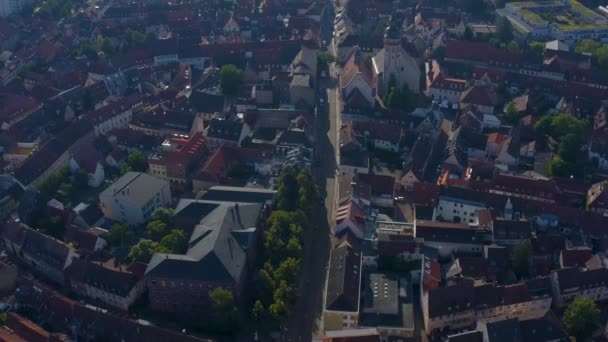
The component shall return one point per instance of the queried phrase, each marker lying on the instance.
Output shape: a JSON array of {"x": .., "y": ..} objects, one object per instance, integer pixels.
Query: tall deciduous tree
[
  {"x": 308, "y": 193},
  {"x": 288, "y": 192},
  {"x": 230, "y": 79},
  {"x": 137, "y": 162},
  {"x": 163, "y": 214},
  {"x": 144, "y": 250},
  {"x": 175, "y": 241},
  {"x": 581, "y": 318},
  {"x": 119, "y": 234},
  {"x": 521, "y": 258},
  {"x": 224, "y": 311},
  {"x": 156, "y": 230}
]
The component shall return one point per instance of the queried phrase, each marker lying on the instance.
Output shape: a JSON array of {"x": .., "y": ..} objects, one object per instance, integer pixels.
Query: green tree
[
  {"x": 281, "y": 227},
  {"x": 558, "y": 167},
  {"x": 52, "y": 182},
  {"x": 520, "y": 259},
  {"x": 175, "y": 241},
  {"x": 569, "y": 147},
  {"x": 108, "y": 47},
  {"x": 294, "y": 247},
  {"x": 288, "y": 192},
  {"x": 543, "y": 125},
  {"x": 504, "y": 29},
  {"x": 581, "y": 318},
  {"x": 224, "y": 312},
  {"x": 511, "y": 114},
  {"x": 230, "y": 79},
  {"x": 288, "y": 270},
  {"x": 286, "y": 293},
  {"x": 119, "y": 234},
  {"x": 144, "y": 250},
  {"x": 81, "y": 179},
  {"x": 163, "y": 214},
  {"x": 124, "y": 168},
  {"x": 512, "y": 46},
  {"x": 53, "y": 226},
  {"x": 156, "y": 230},
  {"x": 391, "y": 99},
  {"x": 538, "y": 47},
  {"x": 324, "y": 59},
  {"x": 66, "y": 188},
  {"x": 134, "y": 39},
  {"x": 587, "y": 46},
  {"x": 137, "y": 162},
  {"x": 279, "y": 311},
  {"x": 258, "y": 312},
  {"x": 563, "y": 124},
  {"x": 265, "y": 280},
  {"x": 87, "y": 49},
  {"x": 308, "y": 192},
  {"x": 601, "y": 56}
]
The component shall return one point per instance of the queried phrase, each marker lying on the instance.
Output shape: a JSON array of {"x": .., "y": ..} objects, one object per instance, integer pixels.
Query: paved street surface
[{"x": 306, "y": 320}]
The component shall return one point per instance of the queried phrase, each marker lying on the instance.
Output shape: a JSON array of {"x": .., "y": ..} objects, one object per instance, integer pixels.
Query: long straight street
[{"x": 306, "y": 321}]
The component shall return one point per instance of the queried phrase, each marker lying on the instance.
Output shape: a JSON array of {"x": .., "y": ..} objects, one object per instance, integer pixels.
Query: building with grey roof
[
  {"x": 239, "y": 194},
  {"x": 341, "y": 308},
  {"x": 133, "y": 197},
  {"x": 219, "y": 252},
  {"x": 387, "y": 304}
]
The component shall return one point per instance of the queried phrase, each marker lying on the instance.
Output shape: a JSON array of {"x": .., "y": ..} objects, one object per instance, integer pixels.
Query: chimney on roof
[
  {"x": 237, "y": 213},
  {"x": 357, "y": 55}
]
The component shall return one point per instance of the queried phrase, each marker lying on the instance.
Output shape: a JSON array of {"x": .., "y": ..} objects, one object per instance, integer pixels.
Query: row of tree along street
[{"x": 283, "y": 241}]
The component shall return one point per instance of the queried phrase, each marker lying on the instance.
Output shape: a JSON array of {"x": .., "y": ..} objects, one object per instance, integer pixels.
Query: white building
[
  {"x": 45, "y": 254},
  {"x": 116, "y": 288},
  {"x": 133, "y": 197},
  {"x": 568, "y": 283},
  {"x": 463, "y": 304},
  {"x": 453, "y": 209},
  {"x": 95, "y": 171},
  {"x": 449, "y": 238},
  {"x": 8, "y": 7},
  {"x": 115, "y": 115}
]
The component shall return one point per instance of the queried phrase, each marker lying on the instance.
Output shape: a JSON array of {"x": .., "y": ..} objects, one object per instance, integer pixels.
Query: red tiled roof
[
  {"x": 478, "y": 95},
  {"x": 497, "y": 138},
  {"x": 14, "y": 232},
  {"x": 425, "y": 193},
  {"x": 82, "y": 238},
  {"x": 14, "y": 105},
  {"x": 60, "y": 309},
  {"x": 379, "y": 130},
  {"x": 525, "y": 185},
  {"x": 378, "y": 183},
  {"x": 575, "y": 257},
  {"x": 26, "y": 329},
  {"x": 356, "y": 64},
  {"x": 216, "y": 166}
]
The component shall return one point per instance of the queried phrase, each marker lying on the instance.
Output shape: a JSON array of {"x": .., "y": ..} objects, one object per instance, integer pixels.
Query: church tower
[
  {"x": 508, "y": 209},
  {"x": 392, "y": 53},
  {"x": 396, "y": 63}
]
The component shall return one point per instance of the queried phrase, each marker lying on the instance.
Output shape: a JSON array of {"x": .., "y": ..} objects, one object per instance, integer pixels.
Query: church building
[{"x": 394, "y": 62}]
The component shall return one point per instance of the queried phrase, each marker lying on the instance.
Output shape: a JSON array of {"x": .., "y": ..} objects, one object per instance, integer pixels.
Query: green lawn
[{"x": 531, "y": 16}]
